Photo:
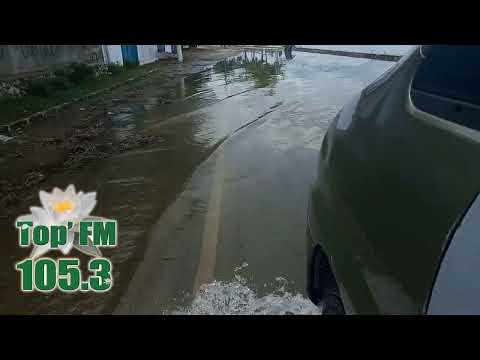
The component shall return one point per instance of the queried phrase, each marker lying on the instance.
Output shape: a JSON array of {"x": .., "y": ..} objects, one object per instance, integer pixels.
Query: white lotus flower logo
[{"x": 60, "y": 207}]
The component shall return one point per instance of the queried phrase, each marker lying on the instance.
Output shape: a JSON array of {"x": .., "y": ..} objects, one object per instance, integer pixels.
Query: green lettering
[
  {"x": 23, "y": 235},
  {"x": 40, "y": 235},
  {"x": 58, "y": 236},
  {"x": 84, "y": 232},
  {"x": 105, "y": 233}
]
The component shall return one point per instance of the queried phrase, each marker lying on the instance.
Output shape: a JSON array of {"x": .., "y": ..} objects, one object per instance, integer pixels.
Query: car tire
[
  {"x": 322, "y": 286},
  {"x": 314, "y": 286}
]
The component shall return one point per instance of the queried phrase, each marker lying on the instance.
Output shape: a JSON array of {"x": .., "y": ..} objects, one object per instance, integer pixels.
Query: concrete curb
[
  {"x": 355, "y": 54},
  {"x": 19, "y": 124},
  {"x": 262, "y": 48}
]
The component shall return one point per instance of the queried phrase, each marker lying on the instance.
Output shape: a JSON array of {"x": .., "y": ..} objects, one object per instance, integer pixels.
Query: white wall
[
  {"x": 112, "y": 54},
  {"x": 147, "y": 54}
]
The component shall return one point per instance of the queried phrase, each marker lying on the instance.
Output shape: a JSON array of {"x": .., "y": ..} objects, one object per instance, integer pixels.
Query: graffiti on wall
[
  {"x": 17, "y": 59},
  {"x": 29, "y": 51}
]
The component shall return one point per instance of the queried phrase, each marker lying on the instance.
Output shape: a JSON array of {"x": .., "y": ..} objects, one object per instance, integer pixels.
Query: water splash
[{"x": 236, "y": 298}]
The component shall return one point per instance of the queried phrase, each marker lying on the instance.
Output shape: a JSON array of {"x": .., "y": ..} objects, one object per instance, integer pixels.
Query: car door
[{"x": 409, "y": 170}]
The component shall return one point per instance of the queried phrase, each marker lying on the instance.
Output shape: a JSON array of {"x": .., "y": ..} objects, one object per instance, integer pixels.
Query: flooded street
[{"x": 207, "y": 174}]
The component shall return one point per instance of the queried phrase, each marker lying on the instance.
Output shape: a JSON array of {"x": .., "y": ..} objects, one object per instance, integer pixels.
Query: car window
[{"x": 446, "y": 84}]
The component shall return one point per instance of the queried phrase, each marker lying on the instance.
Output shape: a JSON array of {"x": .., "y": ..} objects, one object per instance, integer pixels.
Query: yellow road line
[{"x": 208, "y": 252}]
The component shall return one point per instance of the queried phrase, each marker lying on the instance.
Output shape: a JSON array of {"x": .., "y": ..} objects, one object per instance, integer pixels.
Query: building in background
[
  {"x": 137, "y": 54},
  {"x": 25, "y": 60}
]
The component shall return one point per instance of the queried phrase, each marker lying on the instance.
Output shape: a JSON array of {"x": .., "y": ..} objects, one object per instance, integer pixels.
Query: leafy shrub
[
  {"x": 66, "y": 78},
  {"x": 130, "y": 65},
  {"x": 61, "y": 72},
  {"x": 40, "y": 87},
  {"x": 60, "y": 83},
  {"x": 80, "y": 72},
  {"x": 114, "y": 69}
]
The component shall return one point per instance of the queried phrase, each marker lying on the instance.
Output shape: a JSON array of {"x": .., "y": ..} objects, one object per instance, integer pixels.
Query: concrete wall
[
  {"x": 112, "y": 54},
  {"x": 22, "y": 59},
  {"x": 147, "y": 54},
  {"x": 150, "y": 53}
]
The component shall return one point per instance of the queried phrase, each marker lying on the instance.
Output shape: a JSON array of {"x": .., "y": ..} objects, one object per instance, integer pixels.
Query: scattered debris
[
  {"x": 34, "y": 177},
  {"x": 9, "y": 198},
  {"x": 137, "y": 140},
  {"x": 50, "y": 141},
  {"x": 4, "y": 138},
  {"x": 13, "y": 88}
]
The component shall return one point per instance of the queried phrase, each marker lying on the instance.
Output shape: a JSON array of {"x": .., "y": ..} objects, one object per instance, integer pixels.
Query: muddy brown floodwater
[{"x": 204, "y": 172}]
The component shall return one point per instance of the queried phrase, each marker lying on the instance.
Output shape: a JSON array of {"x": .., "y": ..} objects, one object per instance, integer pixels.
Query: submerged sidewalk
[
  {"x": 68, "y": 137},
  {"x": 33, "y": 108}
]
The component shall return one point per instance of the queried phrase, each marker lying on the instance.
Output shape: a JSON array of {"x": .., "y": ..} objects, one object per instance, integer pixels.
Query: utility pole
[{"x": 179, "y": 53}]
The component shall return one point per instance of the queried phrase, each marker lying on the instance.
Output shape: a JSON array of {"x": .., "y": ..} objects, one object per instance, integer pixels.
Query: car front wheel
[{"x": 322, "y": 287}]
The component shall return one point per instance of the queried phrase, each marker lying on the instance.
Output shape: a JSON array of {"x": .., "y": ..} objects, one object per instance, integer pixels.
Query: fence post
[{"x": 179, "y": 53}]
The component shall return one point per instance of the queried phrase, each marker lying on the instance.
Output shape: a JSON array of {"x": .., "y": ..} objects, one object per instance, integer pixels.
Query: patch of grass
[
  {"x": 64, "y": 79},
  {"x": 60, "y": 83},
  {"x": 68, "y": 83},
  {"x": 76, "y": 73},
  {"x": 61, "y": 72},
  {"x": 115, "y": 69},
  {"x": 130, "y": 65},
  {"x": 40, "y": 88}
]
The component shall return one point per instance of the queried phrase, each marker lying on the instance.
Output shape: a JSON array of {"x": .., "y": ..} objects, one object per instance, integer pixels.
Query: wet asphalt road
[
  {"x": 247, "y": 203},
  {"x": 222, "y": 180}
]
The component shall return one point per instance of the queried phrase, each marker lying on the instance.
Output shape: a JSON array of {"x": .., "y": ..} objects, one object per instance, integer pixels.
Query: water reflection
[
  {"x": 289, "y": 52},
  {"x": 264, "y": 67}
]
